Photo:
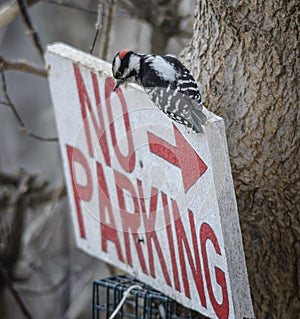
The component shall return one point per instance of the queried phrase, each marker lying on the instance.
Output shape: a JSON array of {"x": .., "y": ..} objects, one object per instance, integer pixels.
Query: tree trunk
[{"x": 245, "y": 54}]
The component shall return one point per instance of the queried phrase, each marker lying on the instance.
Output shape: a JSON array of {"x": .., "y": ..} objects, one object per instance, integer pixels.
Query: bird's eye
[{"x": 118, "y": 74}]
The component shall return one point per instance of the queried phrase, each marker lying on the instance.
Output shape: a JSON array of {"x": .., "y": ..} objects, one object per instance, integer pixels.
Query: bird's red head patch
[{"x": 122, "y": 53}]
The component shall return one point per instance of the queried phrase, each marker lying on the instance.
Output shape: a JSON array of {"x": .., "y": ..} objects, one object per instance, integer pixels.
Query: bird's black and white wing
[
  {"x": 176, "y": 94},
  {"x": 189, "y": 91}
]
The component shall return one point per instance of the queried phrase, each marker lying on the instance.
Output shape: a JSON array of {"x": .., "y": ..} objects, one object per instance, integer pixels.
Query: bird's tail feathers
[{"x": 198, "y": 117}]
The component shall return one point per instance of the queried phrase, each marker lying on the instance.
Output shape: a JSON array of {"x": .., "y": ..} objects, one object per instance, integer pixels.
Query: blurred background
[{"x": 42, "y": 274}]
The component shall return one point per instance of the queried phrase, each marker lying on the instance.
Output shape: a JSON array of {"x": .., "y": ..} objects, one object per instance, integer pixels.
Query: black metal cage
[{"x": 142, "y": 302}]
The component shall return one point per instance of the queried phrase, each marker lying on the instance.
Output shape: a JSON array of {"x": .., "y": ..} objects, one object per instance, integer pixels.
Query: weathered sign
[{"x": 148, "y": 195}]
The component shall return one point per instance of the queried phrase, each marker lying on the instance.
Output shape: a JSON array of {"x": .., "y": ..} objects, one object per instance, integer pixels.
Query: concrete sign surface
[{"x": 148, "y": 195}]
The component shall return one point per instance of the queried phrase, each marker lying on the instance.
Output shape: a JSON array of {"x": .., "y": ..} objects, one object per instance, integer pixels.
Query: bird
[{"x": 168, "y": 83}]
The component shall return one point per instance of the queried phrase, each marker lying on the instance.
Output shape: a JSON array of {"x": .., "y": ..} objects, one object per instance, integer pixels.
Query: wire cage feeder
[{"x": 142, "y": 303}]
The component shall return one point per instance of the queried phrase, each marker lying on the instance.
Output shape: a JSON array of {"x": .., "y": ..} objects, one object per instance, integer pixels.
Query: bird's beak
[{"x": 118, "y": 83}]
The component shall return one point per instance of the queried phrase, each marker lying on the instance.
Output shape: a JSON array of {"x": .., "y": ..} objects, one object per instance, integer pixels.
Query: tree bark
[{"x": 245, "y": 54}]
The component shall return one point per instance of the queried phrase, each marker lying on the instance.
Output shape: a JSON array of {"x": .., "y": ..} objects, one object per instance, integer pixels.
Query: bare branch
[
  {"x": 22, "y": 66},
  {"x": 32, "y": 31},
  {"x": 98, "y": 27},
  {"x": 23, "y": 127},
  {"x": 38, "y": 137},
  {"x": 4, "y": 103},
  {"x": 10, "y": 10},
  {"x": 108, "y": 28},
  {"x": 9, "y": 101}
]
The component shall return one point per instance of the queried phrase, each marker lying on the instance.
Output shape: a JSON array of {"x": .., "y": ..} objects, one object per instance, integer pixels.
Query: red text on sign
[{"x": 186, "y": 243}]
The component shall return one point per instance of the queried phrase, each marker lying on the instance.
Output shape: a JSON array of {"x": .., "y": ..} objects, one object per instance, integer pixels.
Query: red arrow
[{"x": 182, "y": 155}]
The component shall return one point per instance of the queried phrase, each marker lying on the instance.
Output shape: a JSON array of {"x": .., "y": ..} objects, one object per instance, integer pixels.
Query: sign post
[{"x": 148, "y": 195}]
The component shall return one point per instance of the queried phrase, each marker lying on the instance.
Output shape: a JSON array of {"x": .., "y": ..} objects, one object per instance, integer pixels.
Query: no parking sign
[{"x": 148, "y": 195}]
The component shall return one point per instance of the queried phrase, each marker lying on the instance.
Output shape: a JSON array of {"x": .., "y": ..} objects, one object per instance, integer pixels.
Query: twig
[
  {"x": 14, "y": 293},
  {"x": 4, "y": 103},
  {"x": 38, "y": 137},
  {"x": 98, "y": 27},
  {"x": 32, "y": 32},
  {"x": 108, "y": 29},
  {"x": 8, "y": 99},
  {"x": 10, "y": 104},
  {"x": 10, "y": 10},
  {"x": 22, "y": 66}
]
